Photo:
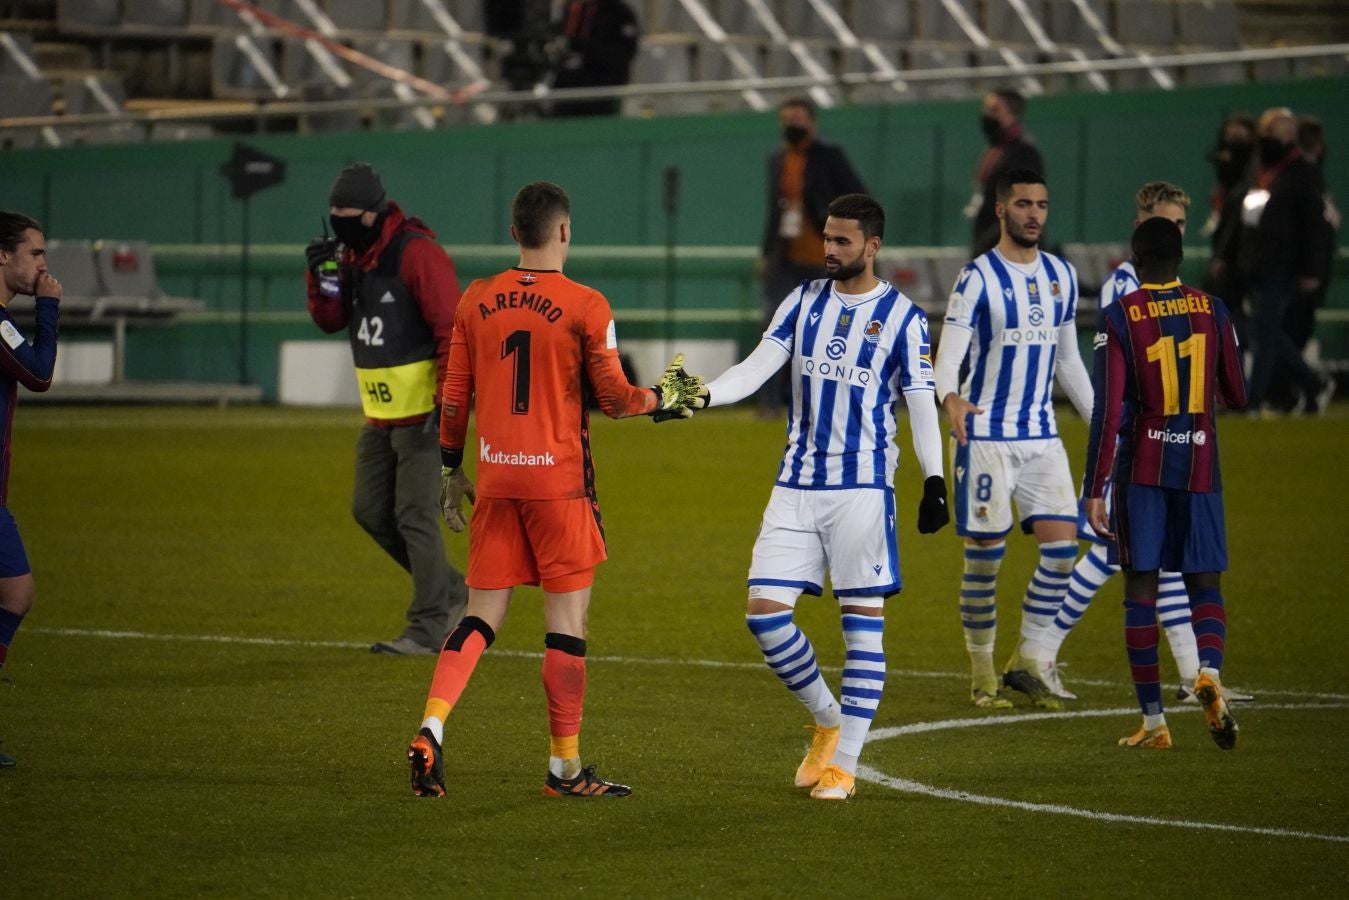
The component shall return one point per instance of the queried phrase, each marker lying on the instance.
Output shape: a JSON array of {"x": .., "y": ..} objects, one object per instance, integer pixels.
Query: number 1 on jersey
[
  {"x": 518, "y": 344},
  {"x": 1163, "y": 352}
]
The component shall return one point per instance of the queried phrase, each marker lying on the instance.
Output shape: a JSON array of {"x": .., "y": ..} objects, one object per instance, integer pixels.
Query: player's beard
[
  {"x": 1018, "y": 235},
  {"x": 846, "y": 271}
]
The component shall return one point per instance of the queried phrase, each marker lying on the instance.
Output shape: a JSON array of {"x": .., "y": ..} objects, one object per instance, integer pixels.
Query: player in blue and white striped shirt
[
  {"x": 856, "y": 346},
  {"x": 1011, "y": 316}
]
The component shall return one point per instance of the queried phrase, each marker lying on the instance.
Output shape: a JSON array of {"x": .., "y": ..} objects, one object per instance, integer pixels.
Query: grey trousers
[{"x": 396, "y": 500}]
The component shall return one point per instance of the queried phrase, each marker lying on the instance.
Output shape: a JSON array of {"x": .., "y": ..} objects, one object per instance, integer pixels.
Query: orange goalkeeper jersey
[{"x": 523, "y": 342}]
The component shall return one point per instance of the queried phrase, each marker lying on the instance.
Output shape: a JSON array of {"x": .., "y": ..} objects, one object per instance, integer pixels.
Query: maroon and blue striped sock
[
  {"x": 1210, "y": 626},
  {"x": 1141, "y": 636},
  {"x": 9, "y": 625}
]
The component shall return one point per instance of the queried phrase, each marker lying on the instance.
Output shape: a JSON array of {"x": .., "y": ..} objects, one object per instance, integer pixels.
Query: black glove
[
  {"x": 932, "y": 513},
  {"x": 319, "y": 250}
]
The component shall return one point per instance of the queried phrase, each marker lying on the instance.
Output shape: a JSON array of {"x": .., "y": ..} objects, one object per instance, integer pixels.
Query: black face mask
[
  {"x": 351, "y": 232},
  {"x": 1272, "y": 150},
  {"x": 795, "y": 134},
  {"x": 1231, "y": 161},
  {"x": 992, "y": 128}
]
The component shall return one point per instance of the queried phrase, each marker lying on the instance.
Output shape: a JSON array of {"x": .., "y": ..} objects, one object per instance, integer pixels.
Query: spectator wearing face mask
[
  {"x": 1284, "y": 249},
  {"x": 1233, "y": 162},
  {"x": 805, "y": 175},
  {"x": 1009, "y": 148},
  {"x": 1300, "y": 320},
  {"x": 393, "y": 289}
]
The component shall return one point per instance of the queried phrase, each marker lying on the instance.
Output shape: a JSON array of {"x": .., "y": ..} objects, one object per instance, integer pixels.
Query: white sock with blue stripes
[
  {"x": 789, "y": 654},
  {"x": 979, "y": 610},
  {"x": 1044, "y": 595},
  {"x": 1173, "y": 612},
  {"x": 1089, "y": 575},
  {"x": 863, "y": 681}
]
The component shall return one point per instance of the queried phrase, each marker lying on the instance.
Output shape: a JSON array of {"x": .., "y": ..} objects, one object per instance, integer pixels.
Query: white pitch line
[
  {"x": 866, "y": 773},
  {"x": 528, "y": 654},
  {"x": 908, "y": 786}
]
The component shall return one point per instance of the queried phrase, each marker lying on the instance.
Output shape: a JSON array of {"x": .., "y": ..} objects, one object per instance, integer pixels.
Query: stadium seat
[
  {"x": 882, "y": 21},
  {"x": 356, "y": 15},
  {"x": 930, "y": 58},
  {"x": 1068, "y": 26},
  {"x": 1004, "y": 24},
  {"x": 799, "y": 19},
  {"x": 24, "y": 96},
  {"x": 935, "y": 23},
  {"x": 659, "y": 63},
  {"x": 414, "y": 15},
  {"x": 1208, "y": 23},
  {"x": 76, "y": 15},
  {"x": 400, "y": 54},
  {"x": 946, "y": 269},
  {"x": 156, "y": 13},
  {"x": 73, "y": 263},
  {"x": 210, "y": 14},
  {"x": 16, "y": 54},
  {"x": 98, "y": 94},
  {"x": 329, "y": 120},
  {"x": 300, "y": 66},
  {"x": 126, "y": 269},
  {"x": 234, "y": 71},
  {"x": 914, "y": 276},
  {"x": 1146, "y": 23},
  {"x": 668, "y": 16}
]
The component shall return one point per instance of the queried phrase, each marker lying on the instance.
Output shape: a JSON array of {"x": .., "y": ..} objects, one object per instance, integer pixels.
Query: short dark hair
[
  {"x": 802, "y": 102},
  {"x": 1157, "y": 242},
  {"x": 864, "y": 210},
  {"x": 1010, "y": 179},
  {"x": 1016, "y": 102},
  {"x": 535, "y": 208},
  {"x": 12, "y": 227},
  {"x": 1311, "y": 134}
]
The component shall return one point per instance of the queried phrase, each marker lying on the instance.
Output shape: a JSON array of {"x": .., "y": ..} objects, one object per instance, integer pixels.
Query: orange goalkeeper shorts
[{"x": 555, "y": 544}]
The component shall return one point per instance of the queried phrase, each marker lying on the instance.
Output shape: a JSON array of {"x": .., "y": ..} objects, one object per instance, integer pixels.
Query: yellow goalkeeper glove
[
  {"x": 454, "y": 487},
  {"x": 679, "y": 392}
]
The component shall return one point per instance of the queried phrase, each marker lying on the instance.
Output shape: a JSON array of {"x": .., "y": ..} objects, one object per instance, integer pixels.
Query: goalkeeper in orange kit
[{"x": 524, "y": 343}]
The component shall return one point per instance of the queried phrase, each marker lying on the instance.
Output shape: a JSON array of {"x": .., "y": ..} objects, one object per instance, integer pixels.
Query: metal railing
[{"x": 261, "y": 111}]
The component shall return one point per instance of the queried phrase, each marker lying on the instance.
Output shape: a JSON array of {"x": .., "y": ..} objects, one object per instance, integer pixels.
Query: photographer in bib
[{"x": 393, "y": 288}]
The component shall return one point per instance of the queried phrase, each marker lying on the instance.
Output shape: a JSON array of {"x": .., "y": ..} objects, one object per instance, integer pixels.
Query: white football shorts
[
  {"x": 990, "y": 475},
  {"x": 849, "y": 531}
]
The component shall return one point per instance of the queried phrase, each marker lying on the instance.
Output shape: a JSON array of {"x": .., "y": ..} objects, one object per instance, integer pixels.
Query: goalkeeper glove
[
  {"x": 932, "y": 512},
  {"x": 678, "y": 393},
  {"x": 454, "y": 486}
]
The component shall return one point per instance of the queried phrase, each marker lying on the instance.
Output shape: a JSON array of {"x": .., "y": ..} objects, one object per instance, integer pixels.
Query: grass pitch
[{"x": 195, "y": 712}]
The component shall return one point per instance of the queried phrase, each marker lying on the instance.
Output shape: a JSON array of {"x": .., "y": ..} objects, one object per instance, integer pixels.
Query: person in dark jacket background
[
  {"x": 395, "y": 291},
  {"x": 1283, "y": 248},
  {"x": 601, "y": 41},
  {"x": 805, "y": 175},
  {"x": 1009, "y": 148}
]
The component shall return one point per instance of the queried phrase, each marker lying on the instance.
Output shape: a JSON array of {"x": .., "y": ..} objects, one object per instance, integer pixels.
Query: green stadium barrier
[{"x": 917, "y": 158}]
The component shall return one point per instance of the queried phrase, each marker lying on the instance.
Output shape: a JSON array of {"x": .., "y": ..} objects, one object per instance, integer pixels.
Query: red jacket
[{"x": 429, "y": 274}]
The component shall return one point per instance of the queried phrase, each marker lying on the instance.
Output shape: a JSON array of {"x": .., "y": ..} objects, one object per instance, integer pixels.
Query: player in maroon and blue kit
[
  {"x": 23, "y": 270},
  {"x": 1166, "y": 353}
]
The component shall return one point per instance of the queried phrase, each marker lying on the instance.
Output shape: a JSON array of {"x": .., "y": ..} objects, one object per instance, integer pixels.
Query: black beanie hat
[{"x": 358, "y": 187}]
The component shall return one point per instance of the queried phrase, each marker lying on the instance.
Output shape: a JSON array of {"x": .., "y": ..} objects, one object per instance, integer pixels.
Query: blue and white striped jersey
[
  {"x": 1014, "y": 320},
  {"x": 1124, "y": 280},
  {"x": 852, "y": 356}
]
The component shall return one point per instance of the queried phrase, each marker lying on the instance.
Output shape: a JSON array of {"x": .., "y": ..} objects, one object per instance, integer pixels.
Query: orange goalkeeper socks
[
  {"x": 463, "y": 649},
  {"x": 564, "y": 682}
]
